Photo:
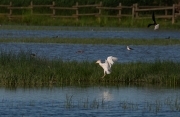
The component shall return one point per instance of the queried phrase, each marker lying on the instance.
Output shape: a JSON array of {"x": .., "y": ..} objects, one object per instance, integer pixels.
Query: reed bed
[
  {"x": 126, "y": 22},
  {"x": 116, "y": 41},
  {"x": 22, "y": 69}
]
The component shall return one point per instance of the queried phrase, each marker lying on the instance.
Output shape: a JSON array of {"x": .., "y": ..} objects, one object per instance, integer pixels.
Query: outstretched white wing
[{"x": 111, "y": 60}]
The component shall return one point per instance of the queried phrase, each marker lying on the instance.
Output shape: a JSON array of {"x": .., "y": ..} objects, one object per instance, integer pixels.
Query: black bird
[
  {"x": 80, "y": 51},
  {"x": 168, "y": 37},
  {"x": 55, "y": 37},
  {"x": 156, "y": 26},
  {"x": 32, "y": 55}
]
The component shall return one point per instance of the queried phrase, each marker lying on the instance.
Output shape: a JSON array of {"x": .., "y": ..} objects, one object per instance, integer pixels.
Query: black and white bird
[
  {"x": 167, "y": 37},
  {"x": 80, "y": 51},
  {"x": 128, "y": 48},
  {"x": 107, "y": 65},
  {"x": 32, "y": 55},
  {"x": 156, "y": 26}
]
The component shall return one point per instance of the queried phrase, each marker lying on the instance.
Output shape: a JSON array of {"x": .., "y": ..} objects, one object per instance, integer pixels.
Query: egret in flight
[
  {"x": 107, "y": 65},
  {"x": 156, "y": 26}
]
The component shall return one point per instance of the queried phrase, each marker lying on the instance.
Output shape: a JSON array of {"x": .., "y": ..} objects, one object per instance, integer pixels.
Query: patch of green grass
[
  {"x": 23, "y": 70},
  {"x": 117, "y": 41}
]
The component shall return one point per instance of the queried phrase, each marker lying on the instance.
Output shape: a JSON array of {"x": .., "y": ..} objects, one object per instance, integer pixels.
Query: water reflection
[
  {"x": 107, "y": 96},
  {"x": 95, "y": 52}
]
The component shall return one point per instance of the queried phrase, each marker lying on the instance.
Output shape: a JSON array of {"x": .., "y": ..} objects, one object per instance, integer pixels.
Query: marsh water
[
  {"x": 85, "y": 32},
  {"x": 90, "y": 52},
  {"x": 92, "y": 101}
]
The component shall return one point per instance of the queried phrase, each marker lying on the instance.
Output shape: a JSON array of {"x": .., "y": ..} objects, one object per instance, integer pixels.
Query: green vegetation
[
  {"x": 127, "y": 22},
  {"x": 97, "y": 41},
  {"x": 106, "y": 2},
  {"x": 24, "y": 70},
  {"x": 157, "y": 106},
  {"x": 29, "y": 19}
]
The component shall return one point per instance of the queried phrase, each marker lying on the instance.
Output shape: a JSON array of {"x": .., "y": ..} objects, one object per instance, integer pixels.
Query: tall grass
[
  {"x": 128, "y": 22},
  {"x": 23, "y": 70}
]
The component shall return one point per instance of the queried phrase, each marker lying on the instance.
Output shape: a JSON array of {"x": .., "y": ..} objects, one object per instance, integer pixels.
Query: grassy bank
[
  {"x": 23, "y": 70},
  {"x": 126, "y": 22},
  {"x": 29, "y": 19},
  {"x": 117, "y": 41}
]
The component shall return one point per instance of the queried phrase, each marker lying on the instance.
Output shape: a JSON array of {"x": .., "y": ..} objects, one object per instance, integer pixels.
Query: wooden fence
[{"x": 134, "y": 11}]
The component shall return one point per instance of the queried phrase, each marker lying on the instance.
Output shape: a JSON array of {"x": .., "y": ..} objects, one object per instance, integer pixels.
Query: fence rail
[{"x": 134, "y": 11}]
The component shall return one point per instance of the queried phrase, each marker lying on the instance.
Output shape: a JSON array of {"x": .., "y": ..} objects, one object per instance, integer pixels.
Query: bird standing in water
[
  {"x": 32, "y": 55},
  {"x": 156, "y": 26},
  {"x": 107, "y": 65},
  {"x": 128, "y": 48}
]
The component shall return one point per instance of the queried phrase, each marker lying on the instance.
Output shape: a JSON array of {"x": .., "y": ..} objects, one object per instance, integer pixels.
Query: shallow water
[
  {"x": 90, "y": 101},
  {"x": 86, "y": 32},
  {"x": 95, "y": 52}
]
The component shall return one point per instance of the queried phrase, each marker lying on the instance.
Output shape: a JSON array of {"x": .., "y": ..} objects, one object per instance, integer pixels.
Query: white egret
[
  {"x": 128, "y": 48},
  {"x": 156, "y": 26},
  {"x": 107, "y": 65}
]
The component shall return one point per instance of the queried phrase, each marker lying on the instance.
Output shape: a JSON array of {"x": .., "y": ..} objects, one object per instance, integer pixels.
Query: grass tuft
[{"x": 24, "y": 70}]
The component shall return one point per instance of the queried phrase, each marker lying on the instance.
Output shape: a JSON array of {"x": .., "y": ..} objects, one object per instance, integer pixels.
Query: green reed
[
  {"x": 169, "y": 104},
  {"x": 23, "y": 70},
  {"x": 116, "y": 41},
  {"x": 126, "y": 22},
  {"x": 156, "y": 106}
]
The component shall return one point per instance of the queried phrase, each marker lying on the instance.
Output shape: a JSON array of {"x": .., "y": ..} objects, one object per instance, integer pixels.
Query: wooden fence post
[
  {"x": 120, "y": 11},
  {"x": 136, "y": 13},
  {"x": 10, "y": 11},
  {"x": 173, "y": 13},
  {"x": 100, "y": 5},
  {"x": 166, "y": 10},
  {"x": 31, "y": 7},
  {"x": 54, "y": 11},
  {"x": 133, "y": 10},
  {"x": 77, "y": 11}
]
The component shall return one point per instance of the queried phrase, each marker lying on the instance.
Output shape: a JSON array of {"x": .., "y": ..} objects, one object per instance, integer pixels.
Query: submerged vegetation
[
  {"x": 156, "y": 106},
  {"x": 167, "y": 106},
  {"x": 22, "y": 69}
]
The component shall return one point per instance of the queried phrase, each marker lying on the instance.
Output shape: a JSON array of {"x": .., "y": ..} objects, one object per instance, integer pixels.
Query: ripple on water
[
  {"x": 90, "y": 101},
  {"x": 95, "y": 52},
  {"x": 89, "y": 33}
]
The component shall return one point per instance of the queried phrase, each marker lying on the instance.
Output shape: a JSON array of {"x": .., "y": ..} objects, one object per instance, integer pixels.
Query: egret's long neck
[{"x": 100, "y": 64}]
